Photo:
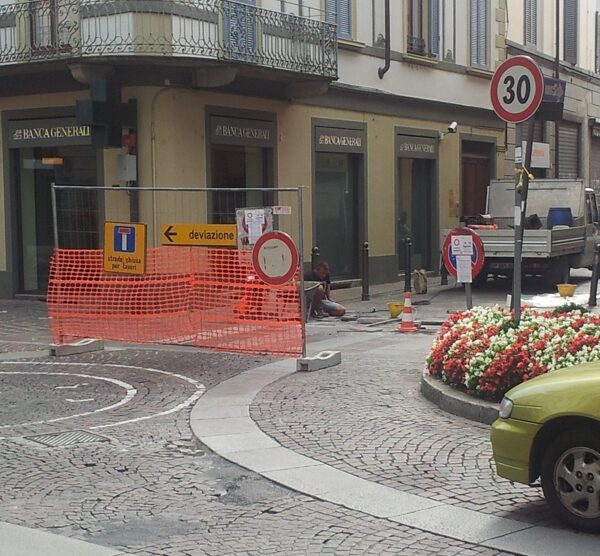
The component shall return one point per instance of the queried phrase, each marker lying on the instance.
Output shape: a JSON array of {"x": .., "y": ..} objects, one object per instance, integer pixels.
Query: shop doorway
[
  {"x": 336, "y": 211},
  {"x": 415, "y": 211},
  {"x": 476, "y": 175},
  {"x": 239, "y": 167},
  {"x": 36, "y": 169}
]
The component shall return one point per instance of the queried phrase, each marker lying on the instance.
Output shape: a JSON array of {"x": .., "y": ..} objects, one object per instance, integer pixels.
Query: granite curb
[{"x": 458, "y": 403}]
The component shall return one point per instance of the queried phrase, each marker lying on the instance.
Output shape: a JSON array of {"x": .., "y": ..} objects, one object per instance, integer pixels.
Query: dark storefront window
[
  {"x": 415, "y": 211},
  {"x": 336, "y": 207},
  {"x": 242, "y": 155},
  {"x": 239, "y": 167},
  {"x": 79, "y": 219}
]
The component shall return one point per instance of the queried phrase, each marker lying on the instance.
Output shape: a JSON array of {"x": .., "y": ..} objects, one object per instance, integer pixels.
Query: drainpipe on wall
[{"x": 382, "y": 71}]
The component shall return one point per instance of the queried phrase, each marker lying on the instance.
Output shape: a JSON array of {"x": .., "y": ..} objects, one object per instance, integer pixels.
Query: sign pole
[
  {"x": 516, "y": 92},
  {"x": 521, "y": 190},
  {"x": 464, "y": 258},
  {"x": 469, "y": 295}
]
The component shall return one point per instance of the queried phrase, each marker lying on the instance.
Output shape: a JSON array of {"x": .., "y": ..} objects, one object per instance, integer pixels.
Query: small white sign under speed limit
[{"x": 517, "y": 89}]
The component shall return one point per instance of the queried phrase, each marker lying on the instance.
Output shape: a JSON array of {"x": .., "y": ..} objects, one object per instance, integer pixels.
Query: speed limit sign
[{"x": 517, "y": 89}]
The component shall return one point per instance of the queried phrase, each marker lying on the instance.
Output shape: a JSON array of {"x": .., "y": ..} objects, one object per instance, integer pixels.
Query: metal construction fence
[{"x": 174, "y": 265}]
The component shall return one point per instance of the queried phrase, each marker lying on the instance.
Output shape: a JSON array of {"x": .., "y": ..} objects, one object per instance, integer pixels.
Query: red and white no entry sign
[
  {"x": 517, "y": 89},
  {"x": 463, "y": 242},
  {"x": 275, "y": 258}
]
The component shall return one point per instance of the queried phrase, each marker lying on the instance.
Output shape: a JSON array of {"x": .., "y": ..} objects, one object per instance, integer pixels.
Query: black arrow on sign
[{"x": 170, "y": 234}]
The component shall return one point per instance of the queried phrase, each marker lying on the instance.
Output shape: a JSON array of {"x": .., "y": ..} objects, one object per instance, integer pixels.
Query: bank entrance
[
  {"x": 416, "y": 199},
  {"x": 241, "y": 156},
  {"x": 43, "y": 152},
  {"x": 338, "y": 194}
]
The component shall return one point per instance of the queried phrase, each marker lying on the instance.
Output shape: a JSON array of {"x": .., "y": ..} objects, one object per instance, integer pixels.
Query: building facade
[
  {"x": 208, "y": 93},
  {"x": 563, "y": 37}
]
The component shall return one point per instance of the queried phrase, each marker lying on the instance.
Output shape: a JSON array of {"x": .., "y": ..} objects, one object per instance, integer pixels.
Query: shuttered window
[
  {"x": 434, "y": 28},
  {"x": 340, "y": 13},
  {"x": 597, "y": 65},
  {"x": 570, "y": 31},
  {"x": 421, "y": 14},
  {"x": 531, "y": 22},
  {"x": 415, "y": 43},
  {"x": 523, "y": 129},
  {"x": 568, "y": 150},
  {"x": 479, "y": 33}
]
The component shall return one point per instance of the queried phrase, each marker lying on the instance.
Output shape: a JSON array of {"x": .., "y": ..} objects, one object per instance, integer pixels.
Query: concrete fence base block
[
  {"x": 320, "y": 361},
  {"x": 82, "y": 346}
]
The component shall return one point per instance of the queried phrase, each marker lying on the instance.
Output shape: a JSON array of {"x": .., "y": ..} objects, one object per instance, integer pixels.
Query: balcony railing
[{"x": 41, "y": 30}]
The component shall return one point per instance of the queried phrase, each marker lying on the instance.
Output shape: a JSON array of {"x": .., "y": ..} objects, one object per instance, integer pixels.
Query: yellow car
[{"x": 549, "y": 427}]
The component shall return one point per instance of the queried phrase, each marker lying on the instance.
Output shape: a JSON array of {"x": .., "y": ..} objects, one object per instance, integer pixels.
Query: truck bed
[{"x": 537, "y": 244}]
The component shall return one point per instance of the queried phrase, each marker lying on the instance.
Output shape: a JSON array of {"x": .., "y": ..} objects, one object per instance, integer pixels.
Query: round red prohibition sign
[
  {"x": 275, "y": 258},
  {"x": 517, "y": 89},
  {"x": 477, "y": 256}
]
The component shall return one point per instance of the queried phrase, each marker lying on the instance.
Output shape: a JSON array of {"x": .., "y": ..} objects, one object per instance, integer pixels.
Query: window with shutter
[
  {"x": 415, "y": 42},
  {"x": 568, "y": 150},
  {"x": 531, "y": 22},
  {"x": 423, "y": 36},
  {"x": 597, "y": 65},
  {"x": 479, "y": 33},
  {"x": 570, "y": 31},
  {"x": 340, "y": 13},
  {"x": 434, "y": 28}
]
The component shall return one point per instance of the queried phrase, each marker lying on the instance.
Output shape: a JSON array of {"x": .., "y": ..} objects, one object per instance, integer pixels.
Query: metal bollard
[
  {"x": 314, "y": 257},
  {"x": 365, "y": 272},
  {"x": 595, "y": 276},
  {"x": 443, "y": 275},
  {"x": 407, "y": 264}
]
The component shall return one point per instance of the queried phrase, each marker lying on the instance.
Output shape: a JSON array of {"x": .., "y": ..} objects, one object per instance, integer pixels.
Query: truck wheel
[
  {"x": 481, "y": 279},
  {"x": 559, "y": 272}
]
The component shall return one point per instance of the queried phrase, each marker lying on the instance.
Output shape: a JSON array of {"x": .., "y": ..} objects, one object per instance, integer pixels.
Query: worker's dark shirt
[{"x": 312, "y": 277}]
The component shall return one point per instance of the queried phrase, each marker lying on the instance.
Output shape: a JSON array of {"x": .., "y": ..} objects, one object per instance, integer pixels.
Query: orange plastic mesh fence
[{"x": 206, "y": 296}]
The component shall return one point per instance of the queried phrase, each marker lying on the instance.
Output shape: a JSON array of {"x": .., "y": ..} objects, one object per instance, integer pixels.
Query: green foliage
[{"x": 568, "y": 308}]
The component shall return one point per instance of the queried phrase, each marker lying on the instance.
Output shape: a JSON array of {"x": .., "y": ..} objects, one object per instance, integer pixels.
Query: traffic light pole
[{"x": 521, "y": 190}]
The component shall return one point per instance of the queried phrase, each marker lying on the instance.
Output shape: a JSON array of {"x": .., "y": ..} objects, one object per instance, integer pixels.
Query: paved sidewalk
[
  {"x": 360, "y": 435},
  {"x": 376, "y": 468}
]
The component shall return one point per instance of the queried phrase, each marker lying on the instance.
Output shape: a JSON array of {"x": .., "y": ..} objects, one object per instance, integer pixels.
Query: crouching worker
[{"x": 322, "y": 302}]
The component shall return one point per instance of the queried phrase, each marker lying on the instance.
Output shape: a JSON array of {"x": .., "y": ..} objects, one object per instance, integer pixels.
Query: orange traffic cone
[{"x": 407, "y": 315}]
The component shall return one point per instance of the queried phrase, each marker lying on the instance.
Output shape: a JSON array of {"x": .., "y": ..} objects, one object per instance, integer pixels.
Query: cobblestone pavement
[
  {"x": 23, "y": 326},
  {"x": 144, "y": 485},
  {"x": 368, "y": 418}
]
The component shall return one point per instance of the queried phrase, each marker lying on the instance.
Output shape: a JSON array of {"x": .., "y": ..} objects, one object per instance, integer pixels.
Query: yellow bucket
[
  {"x": 395, "y": 308},
  {"x": 566, "y": 290}
]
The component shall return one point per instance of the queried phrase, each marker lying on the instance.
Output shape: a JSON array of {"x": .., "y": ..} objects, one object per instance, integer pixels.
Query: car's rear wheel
[{"x": 571, "y": 478}]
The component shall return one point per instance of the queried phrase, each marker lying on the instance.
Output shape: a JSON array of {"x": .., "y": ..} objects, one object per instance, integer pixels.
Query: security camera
[{"x": 452, "y": 127}]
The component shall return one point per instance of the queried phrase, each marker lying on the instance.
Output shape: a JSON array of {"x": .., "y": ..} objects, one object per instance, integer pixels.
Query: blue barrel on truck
[{"x": 559, "y": 216}]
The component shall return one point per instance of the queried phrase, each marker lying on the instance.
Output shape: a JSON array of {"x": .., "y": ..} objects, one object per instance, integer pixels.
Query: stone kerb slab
[{"x": 456, "y": 402}]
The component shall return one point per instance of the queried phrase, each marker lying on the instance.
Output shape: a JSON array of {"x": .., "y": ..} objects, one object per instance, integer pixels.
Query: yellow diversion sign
[
  {"x": 124, "y": 247},
  {"x": 221, "y": 235}
]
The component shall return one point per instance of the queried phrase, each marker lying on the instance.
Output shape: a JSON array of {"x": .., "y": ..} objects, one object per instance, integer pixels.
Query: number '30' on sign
[{"x": 517, "y": 89}]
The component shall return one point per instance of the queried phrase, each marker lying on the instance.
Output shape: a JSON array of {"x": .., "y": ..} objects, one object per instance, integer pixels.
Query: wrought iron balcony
[{"x": 225, "y": 30}]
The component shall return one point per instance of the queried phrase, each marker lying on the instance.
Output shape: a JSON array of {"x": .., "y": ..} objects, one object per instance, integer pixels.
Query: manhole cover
[{"x": 71, "y": 438}]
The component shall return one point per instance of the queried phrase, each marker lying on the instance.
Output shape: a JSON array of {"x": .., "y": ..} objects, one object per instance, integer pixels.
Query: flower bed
[{"x": 483, "y": 352}]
